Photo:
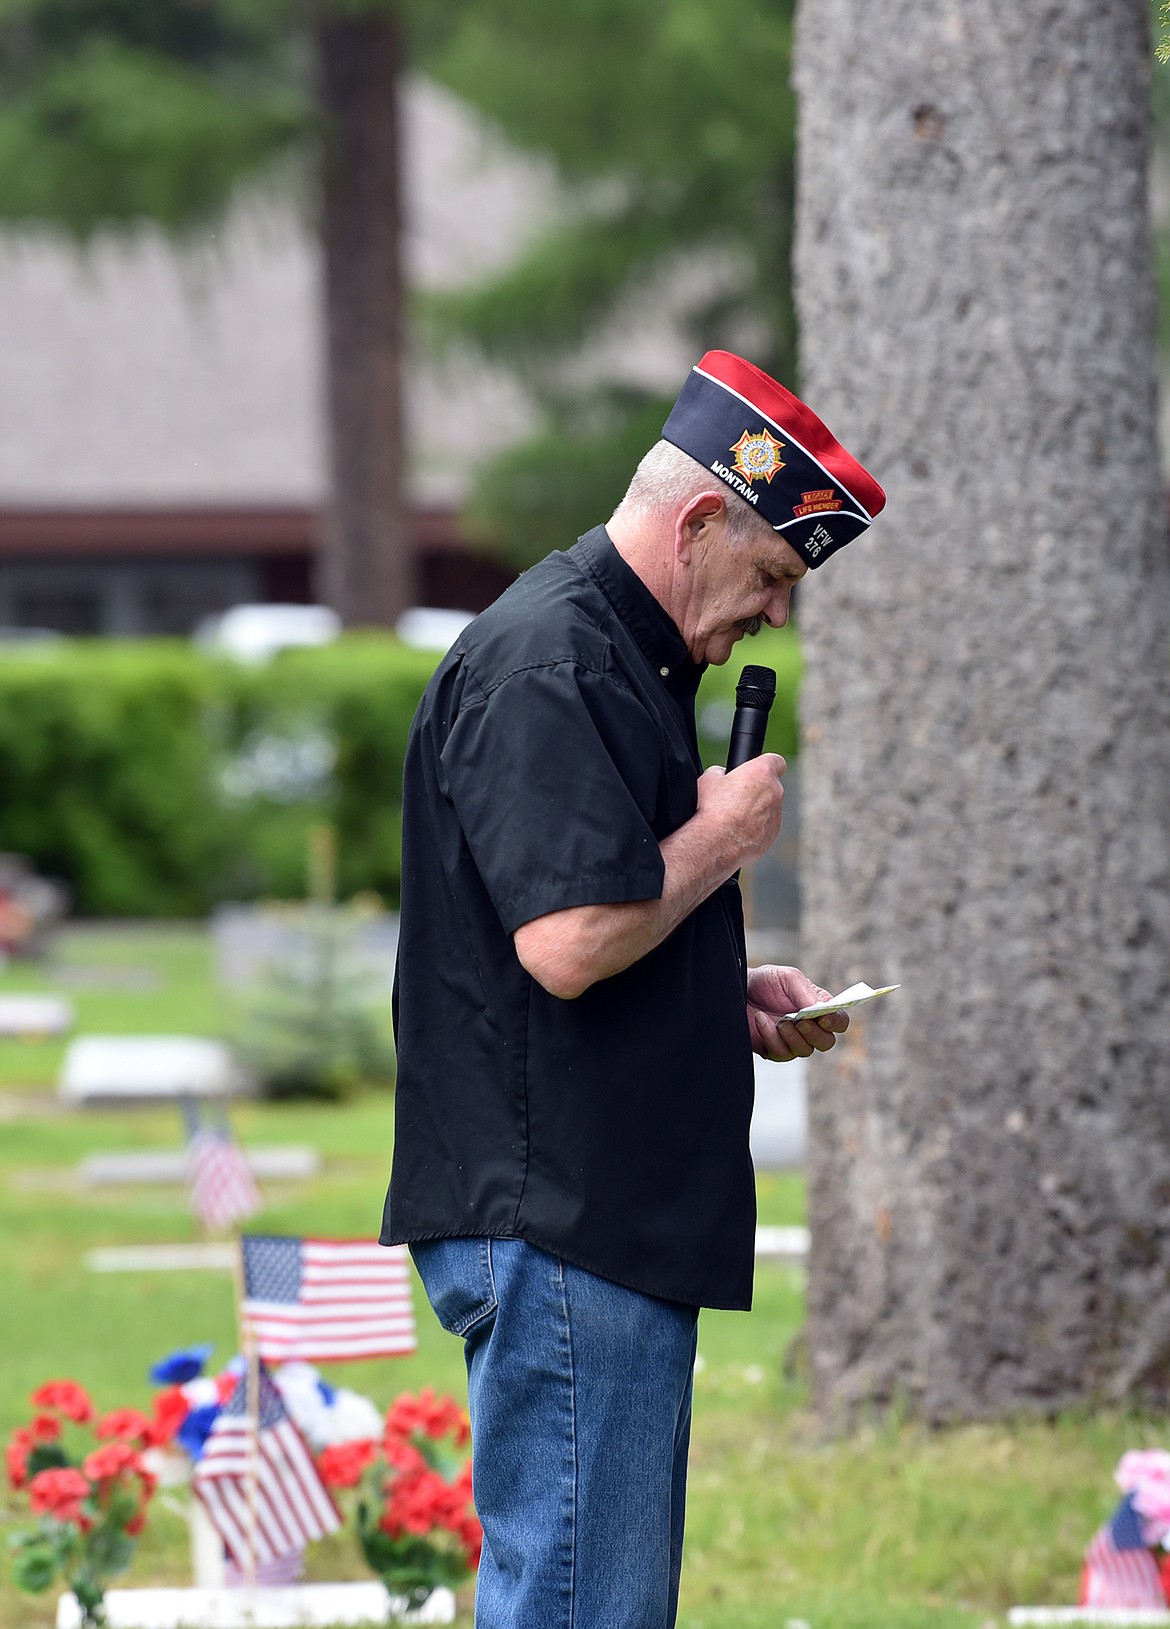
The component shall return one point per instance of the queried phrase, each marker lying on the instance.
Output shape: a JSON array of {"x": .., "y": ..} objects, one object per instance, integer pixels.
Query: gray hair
[{"x": 667, "y": 478}]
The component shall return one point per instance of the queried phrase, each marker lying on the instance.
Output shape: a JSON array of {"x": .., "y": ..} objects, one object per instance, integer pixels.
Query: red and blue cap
[{"x": 767, "y": 445}]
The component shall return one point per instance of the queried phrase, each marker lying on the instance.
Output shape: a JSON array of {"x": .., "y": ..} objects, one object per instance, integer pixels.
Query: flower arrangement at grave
[
  {"x": 1127, "y": 1564},
  {"x": 190, "y": 1403},
  {"x": 327, "y": 1416},
  {"x": 411, "y": 1497},
  {"x": 88, "y": 1488}
]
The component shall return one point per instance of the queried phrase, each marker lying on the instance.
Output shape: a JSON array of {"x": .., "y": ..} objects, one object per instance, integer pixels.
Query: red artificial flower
[
  {"x": 16, "y": 1457},
  {"x": 58, "y": 1492},
  {"x": 225, "y": 1385},
  {"x": 471, "y": 1538},
  {"x": 402, "y": 1455},
  {"x": 104, "y": 1464},
  {"x": 419, "y": 1501},
  {"x": 341, "y": 1465},
  {"x": 127, "y": 1424},
  {"x": 434, "y": 1416},
  {"x": 171, "y": 1408},
  {"x": 67, "y": 1397},
  {"x": 45, "y": 1428},
  {"x": 403, "y": 1416},
  {"x": 442, "y": 1416}
]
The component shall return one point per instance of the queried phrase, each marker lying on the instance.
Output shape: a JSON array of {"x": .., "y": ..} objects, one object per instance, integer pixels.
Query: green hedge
[
  {"x": 157, "y": 781},
  {"x": 124, "y": 768}
]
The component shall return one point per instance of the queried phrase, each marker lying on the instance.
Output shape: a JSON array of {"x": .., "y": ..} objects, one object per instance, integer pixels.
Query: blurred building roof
[{"x": 140, "y": 373}]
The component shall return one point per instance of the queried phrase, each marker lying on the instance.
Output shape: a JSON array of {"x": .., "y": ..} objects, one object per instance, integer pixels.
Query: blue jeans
[{"x": 580, "y": 1399}]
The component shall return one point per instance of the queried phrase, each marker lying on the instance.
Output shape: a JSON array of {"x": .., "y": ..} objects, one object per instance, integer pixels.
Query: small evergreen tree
[{"x": 317, "y": 1022}]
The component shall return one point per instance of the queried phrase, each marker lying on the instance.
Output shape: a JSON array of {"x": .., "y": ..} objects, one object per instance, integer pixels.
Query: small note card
[{"x": 855, "y": 996}]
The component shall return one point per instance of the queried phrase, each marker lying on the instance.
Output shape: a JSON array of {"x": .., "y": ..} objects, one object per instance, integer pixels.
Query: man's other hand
[
  {"x": 737, "y": 819},
  {"x": 776, "y": 990},
  {"x": 747, "y": 801}
]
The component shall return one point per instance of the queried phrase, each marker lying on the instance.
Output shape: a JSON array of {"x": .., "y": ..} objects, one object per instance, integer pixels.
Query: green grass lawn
[{"x": 894, "y": 1527}]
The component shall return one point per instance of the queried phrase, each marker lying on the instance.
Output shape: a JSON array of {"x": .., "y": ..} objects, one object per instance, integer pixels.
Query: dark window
[{"x": 65, "y": 610}]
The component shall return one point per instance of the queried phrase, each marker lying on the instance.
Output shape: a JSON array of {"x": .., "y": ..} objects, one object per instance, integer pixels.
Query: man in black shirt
[{"x": 574, "y": 1013}]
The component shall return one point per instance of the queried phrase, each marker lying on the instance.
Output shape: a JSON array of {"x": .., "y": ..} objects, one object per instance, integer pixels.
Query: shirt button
[{"x": 665, "y": 671}]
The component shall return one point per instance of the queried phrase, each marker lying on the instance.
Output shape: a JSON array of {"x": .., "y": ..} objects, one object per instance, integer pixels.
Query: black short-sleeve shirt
[{"x": 552, "y": 752}]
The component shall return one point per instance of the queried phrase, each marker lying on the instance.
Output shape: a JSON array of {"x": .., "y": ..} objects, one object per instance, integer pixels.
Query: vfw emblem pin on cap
[
  {"x": 771, "y": 448},
  {"x": 757, "y": 455}
]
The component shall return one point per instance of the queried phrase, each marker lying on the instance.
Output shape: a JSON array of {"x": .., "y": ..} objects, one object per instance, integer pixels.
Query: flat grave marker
[
  {"x": 292, "y": 1164},
  {"x": 299, "y": 1606},
  {"x": 1087, "y": 1615},
  {"x": 34, "y": 1016},
  {"x": 148, "y": 1068}
]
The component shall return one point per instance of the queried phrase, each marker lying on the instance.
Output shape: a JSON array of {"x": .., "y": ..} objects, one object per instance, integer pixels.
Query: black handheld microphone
[{"x": 754, "y": 695}]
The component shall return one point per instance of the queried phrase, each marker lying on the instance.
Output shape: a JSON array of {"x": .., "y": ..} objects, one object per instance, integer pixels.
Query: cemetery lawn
[{"x": 894, "y": 1527}]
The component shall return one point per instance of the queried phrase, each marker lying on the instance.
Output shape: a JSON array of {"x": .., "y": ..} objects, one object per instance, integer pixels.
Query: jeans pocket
[{"x": 457, "y": 1276}]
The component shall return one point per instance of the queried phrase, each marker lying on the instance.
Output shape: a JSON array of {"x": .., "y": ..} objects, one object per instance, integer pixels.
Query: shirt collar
[{"x": 657, "y": 636}]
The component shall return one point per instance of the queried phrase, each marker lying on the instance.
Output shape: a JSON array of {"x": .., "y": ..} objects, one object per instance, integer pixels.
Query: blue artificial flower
[
  {"x": 196, "y": 1429},
  {"x": 328, "y": 1392},
  {"x": 181, "y": 1366}
]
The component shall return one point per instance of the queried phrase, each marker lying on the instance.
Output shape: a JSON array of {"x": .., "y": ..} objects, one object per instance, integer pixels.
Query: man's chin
[{"x": 719, "y": 649}]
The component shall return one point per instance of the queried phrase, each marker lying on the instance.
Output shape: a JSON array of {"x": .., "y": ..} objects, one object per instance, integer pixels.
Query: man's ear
[{"x": 692, "y": 521}]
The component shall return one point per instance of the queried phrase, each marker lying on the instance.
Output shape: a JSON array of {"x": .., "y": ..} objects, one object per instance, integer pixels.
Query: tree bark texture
[
  {"x": 368, "y": 568},
  {"x": 985, "y": 712}
]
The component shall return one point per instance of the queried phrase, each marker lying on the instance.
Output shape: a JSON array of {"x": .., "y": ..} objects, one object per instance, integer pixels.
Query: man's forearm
[{"x": 567, "y": 951}]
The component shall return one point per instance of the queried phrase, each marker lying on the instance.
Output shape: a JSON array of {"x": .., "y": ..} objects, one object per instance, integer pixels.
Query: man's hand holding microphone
[{"x": 749, "y": 795}]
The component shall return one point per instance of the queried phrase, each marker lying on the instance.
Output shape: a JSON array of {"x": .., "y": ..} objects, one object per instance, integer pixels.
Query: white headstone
[
  {"x": 148, "y": 1067},
  {"x": 779, "y": 1134},
  {"x": 35, "y": 1015}
]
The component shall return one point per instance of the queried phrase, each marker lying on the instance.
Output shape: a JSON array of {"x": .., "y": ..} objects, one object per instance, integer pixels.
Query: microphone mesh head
[{"x": 756, "y": 688}]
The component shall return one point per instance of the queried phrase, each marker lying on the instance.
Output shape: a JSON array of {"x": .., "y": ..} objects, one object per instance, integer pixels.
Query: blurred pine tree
[{"x": 671, "y": 128}]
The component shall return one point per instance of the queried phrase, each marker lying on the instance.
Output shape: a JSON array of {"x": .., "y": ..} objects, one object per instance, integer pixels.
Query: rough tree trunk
[
  {"x": 985, "y": 774},
  {"x": 368, "y": 570}
]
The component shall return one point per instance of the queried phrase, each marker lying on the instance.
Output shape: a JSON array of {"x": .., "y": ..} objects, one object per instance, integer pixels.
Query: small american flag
[
  {"x": 279, "y": 1574},
  {"x": 222, "y": 1187},
  {"x": 290, "y": 1507},
  {"x": 314, "y": 1300},
  {"x": 1119, "y": 1569}
]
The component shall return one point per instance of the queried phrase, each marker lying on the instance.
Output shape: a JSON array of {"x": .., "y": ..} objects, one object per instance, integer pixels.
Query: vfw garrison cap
[{"x": 765, "y": 444}]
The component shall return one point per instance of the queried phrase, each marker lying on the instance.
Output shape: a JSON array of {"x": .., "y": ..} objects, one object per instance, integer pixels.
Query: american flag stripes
[
  {"x": 290, "y": 1506},
  {"x": 222, "y": 1187},
  {"x": 1119, "y": 1570},
  {"x": 317, "y": 1300}
]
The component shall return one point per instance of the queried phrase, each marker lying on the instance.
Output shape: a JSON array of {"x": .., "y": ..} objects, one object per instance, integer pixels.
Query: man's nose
[{"x": 777, "y": 613}]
